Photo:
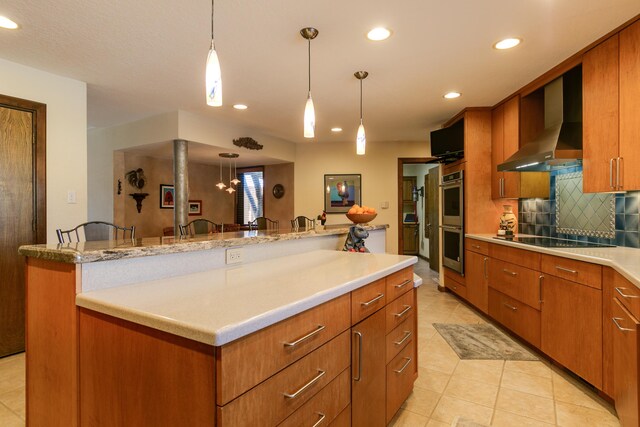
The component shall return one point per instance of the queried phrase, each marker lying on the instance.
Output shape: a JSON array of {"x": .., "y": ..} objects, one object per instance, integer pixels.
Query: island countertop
[
  {"x": 221, "y": 305},
  {"x": 625, "y": 261},
  {"x": 86, "y": 252}
]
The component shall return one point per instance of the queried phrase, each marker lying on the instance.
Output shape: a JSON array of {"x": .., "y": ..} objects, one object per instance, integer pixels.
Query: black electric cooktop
[{"x": 552, "y": 242}]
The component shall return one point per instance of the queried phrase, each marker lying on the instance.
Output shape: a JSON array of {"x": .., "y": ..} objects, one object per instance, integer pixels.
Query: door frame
[
  {"x": 401, "y": 162},
  {"x": 39, "y": 112}
]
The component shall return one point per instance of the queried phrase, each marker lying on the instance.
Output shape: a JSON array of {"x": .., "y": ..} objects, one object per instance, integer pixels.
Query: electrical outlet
[
  {"x": 71, "y": 196},
  {"x": 234, "y": 256}
]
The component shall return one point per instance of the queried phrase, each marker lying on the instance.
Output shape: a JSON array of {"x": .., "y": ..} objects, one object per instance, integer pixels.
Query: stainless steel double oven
[{"x": 453, "y": 221}]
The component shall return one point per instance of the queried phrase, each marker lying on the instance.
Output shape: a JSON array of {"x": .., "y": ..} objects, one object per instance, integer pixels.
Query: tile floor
[{"x": 490, "y": 392}]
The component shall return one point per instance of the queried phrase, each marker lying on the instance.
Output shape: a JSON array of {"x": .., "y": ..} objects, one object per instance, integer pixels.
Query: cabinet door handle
[
  {"x": 475, "y": 246},
  {"x": 566, "y": 269},
  {"x": 484, "y": 267},
  {"x": 399, "y": 371},
  {"x": 512, "y": 273},
  {"x": 615, "y": 320},
  {"x": 322, "y": 417},
  {"x": 304, "y": 338},
  {"x": 510, "y": 306},
  {"x": 403, "y": 312},
  {"x": 618, "y": 184},
  {"x": 407, "y": 334},
  {"x": 304, "y": 387},
  {"x": 611, "y": 173},
  {"x": 619, "y": 290},
  {"x": 359, "y": 334},
  {"x": 540, "y": 279},
  {"x": 368, "y": 303},
  {"x": 403, "y": 284}
]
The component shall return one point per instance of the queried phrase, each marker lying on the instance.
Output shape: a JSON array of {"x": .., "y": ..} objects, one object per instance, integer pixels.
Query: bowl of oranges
[{"x": 361, "y": 214}]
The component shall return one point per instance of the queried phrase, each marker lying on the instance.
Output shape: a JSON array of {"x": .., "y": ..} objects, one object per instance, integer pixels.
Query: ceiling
[{"x": 145, "y": 57}]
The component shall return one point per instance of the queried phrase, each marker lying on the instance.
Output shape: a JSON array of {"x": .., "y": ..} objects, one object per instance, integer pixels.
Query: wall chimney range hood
[{"x": 560, "y": 142}]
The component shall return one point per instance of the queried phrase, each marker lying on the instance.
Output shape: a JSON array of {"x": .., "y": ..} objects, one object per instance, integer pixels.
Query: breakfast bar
[{"x": 289, "y": 336}]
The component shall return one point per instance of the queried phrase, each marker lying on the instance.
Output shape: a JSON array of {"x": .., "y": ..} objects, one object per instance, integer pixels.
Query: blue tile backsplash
[{"x": 537, "y": 216}]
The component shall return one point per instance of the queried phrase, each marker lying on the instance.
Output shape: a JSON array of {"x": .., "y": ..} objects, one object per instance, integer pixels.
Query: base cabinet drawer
[
  {"x": 367, "y": 300},
  {"x": 399, "y": 310},
  {"x": 343, "y": 419},
  {"x": 400, "y": 337},
  {"x": 516, "y": 316},
  {"x": 398, "y": 283},
  {"x": 400, "y": 377},
  {"x": 518, "y": 282},
  {"x": 278, "y": 397},
  {"x": 456, "y": 288},
  {"x": 325, "y": 406},
  {"x": 625, "y": 364}
]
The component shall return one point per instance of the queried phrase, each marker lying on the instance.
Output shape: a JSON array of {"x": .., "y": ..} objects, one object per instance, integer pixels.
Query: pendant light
[
  {"x": 229, "y": 156},
  {"x": 213, "y": 73},
  {"x": 361, "y": 140},
  {"x": 230, "y": 189},
  {"x": 221, "y": 185},
  {"x": 309, "y": 33},
  {"x": 235, "y": 181}
]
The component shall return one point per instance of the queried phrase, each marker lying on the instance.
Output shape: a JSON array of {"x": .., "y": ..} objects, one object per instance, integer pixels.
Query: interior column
[{"x": 181, "y": 184}]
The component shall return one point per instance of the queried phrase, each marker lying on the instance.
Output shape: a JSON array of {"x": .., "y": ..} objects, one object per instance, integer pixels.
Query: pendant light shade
[
  {"x": 361, "y": 139},
  {"x": 221, "y": 185},
  {"x": 309, "y": 112},
  {"x": 235, "y": 181},
  {"x": 213, "y": 76}
]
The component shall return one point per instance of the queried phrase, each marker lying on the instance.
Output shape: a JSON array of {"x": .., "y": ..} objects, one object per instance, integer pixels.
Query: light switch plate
[{"x": 71, "y": 196}]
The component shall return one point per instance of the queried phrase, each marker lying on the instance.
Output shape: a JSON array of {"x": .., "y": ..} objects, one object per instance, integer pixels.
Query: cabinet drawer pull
[
  {"x": 615, "y": 320},
  {"x": 399, "y": 371},
  {"x": 322, "y": 417},
  {"x": 566, "y": 269},
  {"x": 304, "y": 387},
  {"x": 359, "y": 334},
  {"x": 403, "y": 284},
  {"x": 306, "y": 337},
  {"x": 512, "y": 273},
  {"x": 403, "y": 312},
  {"x": 484, "y": 267},
  {"x": 510, "y": 306},
  {"x": 367, "y": 304},
  {"x": 407, "y": 334},
  {"x": 475, "y": 246},
  {"x": 619, "y": 290},
  {"x": 611, "y": 172}
]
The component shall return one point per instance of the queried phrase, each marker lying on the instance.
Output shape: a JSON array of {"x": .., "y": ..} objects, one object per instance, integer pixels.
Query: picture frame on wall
[
  {"x": 341, "y": 192},
  {"x": 195, "y": 207},
  {"x": 167, "y": 196}
]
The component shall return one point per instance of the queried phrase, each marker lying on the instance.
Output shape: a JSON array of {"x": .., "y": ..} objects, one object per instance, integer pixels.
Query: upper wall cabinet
[
  {"x": 505, "y": 141},
  {"x": 611, "y": 105}
]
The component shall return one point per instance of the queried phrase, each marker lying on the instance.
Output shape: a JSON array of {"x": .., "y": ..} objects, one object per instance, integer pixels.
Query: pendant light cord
[
  {"x": 212, "y": 8},
  {"x": 309, "y": 44},
  {"x": 360, "y": 100}
]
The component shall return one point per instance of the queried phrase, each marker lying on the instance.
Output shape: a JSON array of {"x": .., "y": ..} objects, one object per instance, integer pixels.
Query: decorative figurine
[
  {"x": 355, "y": 239},
  {"x": 322, "y": 218}
]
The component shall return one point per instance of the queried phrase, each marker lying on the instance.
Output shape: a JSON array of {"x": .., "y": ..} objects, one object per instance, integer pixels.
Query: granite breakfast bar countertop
[
  {"x": 221, "y": 305},
  {"x": 625, "y": 261},
  {"x": 87, "y": 252}
]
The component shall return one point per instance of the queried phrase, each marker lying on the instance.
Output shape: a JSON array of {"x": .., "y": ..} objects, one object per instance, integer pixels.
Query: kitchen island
[{"x": 260, "y": 343}]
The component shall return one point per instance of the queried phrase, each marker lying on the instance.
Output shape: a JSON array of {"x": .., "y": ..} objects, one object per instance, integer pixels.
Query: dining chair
[
  {"x": 199, "y": 226},
  {"x": 303, "y": 222},
  {"x": 263, "y": 223},
  {"x": 94, "y": 231}
]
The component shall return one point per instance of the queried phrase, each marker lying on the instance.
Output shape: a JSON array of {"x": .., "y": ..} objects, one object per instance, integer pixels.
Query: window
[{"x": 249, "y": 195}]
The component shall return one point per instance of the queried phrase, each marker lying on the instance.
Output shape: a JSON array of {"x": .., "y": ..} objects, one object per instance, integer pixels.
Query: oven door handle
[
  {"x": 451, "y": 227},
  {"x": 451, "y": 183}
]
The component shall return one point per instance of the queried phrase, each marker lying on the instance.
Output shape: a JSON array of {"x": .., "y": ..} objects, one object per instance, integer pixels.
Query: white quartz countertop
[
  {"x": 625, "y": 261},
  {"x": 219, "y": 306}
]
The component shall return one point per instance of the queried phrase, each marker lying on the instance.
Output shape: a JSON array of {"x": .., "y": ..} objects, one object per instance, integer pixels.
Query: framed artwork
[
  {"x": 341, "y": 192},
  {"x": 195, "y": 207},
  {"x": 167, "y": 196}
]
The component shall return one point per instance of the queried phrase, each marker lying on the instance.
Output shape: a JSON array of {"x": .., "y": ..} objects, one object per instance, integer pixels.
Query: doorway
[
  {"x": 22, "y": 208},
  {"x": 418, "y": 209}
]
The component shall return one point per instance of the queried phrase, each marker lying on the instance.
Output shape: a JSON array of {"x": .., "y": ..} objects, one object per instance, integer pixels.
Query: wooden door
[
  {"x": 625, "y": 364},
  {"x": 368, "y": 372},
  {"x": 600, "y": 116},
  {"x": 476, "y": 269},
  {"x": 629, "y": 107},
  {"x": 571, "y": 327},
  {"x": 21, "y": 209},
  {"x": 511, "y": 144},
  {"x": 433, "y": 198},
  {"x": 497, "y": 150}
]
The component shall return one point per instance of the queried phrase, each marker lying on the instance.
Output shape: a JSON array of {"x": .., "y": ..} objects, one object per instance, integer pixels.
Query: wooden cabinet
[
  {"x": 611, "y": 100},
  {"x": 368, "y": 397},
  {"x": 625, "y": 364},
  {"x": 516, "y": 316},
  {"x": 400, "y": 379},
  {"x": 572, "y": 326},
  {"x": 516, "y": 281},
  {"x": 477, "y": 279},
  {"x": 410, "y": 235}
]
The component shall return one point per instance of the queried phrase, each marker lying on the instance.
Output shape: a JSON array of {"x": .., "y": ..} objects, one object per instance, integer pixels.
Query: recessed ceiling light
[
  {"x": 378, "y": 34},
  {"x": 240, "y": 107},
  {"x": 336, "y": 129},
  {"x": 452, "y": 95},
  {"x": 507, "y": 43},
  {"x": 7, "y": 23}
]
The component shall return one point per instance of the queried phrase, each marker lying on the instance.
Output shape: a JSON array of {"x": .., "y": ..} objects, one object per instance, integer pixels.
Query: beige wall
[
  {"x": 379, "y": 169},
  {"x": 279, "y": 209},
  {"x": 66, "y": 101}
]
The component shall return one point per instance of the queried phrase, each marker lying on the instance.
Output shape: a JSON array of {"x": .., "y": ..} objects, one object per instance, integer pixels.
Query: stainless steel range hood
[{"x": 561, "y": 140}]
